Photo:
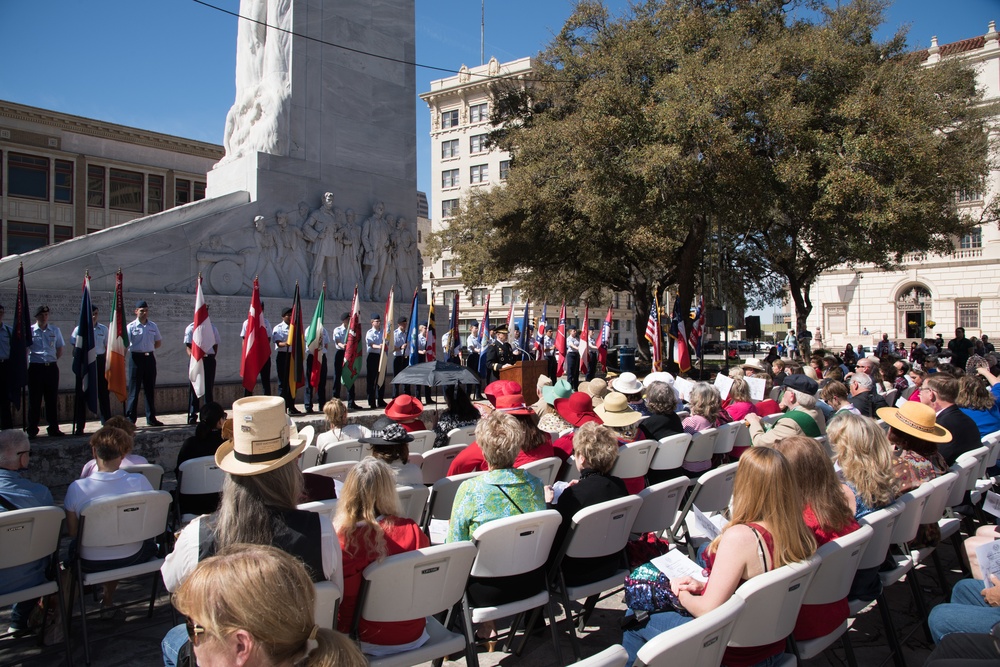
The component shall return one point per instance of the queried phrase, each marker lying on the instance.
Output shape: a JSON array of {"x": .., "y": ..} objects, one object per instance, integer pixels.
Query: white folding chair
[
  {"x": 118, "y": 520},
  {"x": 976, "y": 486},
  {"x": 26, "y": 536},
  {"x": 633, "y": 459},
  {"x": 412, "y": 585},
  {"x": 951, "y": 524},
  {"x": 413, "y": 500},
  {"x": 839, "y": 560},
  {"x": 725, "y": 439},
  {"x": 327, "y": 602},
  {"x": 151, "y": 471},
  {"x": 711, "y": 493},
  {"x": 422, "y": 441},
  {"x": 825, "y": 441},
  {"x": 701, "y": 641},
  {"x": 702, "y": 445},
  {"x": 440, "y": 502},
  {"x": 941, "y": 488},
  {"x": 507, "y": 547},
  {"x": 464, "y": 435},
  {"x": 344, "y": 450},
  {"x": 769, "y": 420},
  {"x": 196, "y": 477},
  {"x": 310, "y": 457},
  {"x": 670, "y": 452},
  {"x": 337, "y": 471},
  {"x": 544, "y": 469},
  {"x": 774, "y": 393},
  {"x": 613, "y": 656},
  {"x": 773, "y": 601},
  {"x": 660, "y": 503},
  {"x": 325, "y": 507},
  {"x": 307, "y": 433},
  {"x": 437, "y": 461},
  {"x": 596, "y": 531}
]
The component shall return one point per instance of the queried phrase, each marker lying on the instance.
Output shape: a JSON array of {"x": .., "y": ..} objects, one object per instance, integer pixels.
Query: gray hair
[
  {"x": 863, "y": 379},
  {"x": 12, "y": 441},
  {"x": 660, "y": 398},
  {"x": 803, "y": 399}
]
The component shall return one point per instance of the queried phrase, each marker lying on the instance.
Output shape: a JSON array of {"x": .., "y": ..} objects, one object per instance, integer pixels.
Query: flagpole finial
[
  {"x": 86, "y": 272},
  {"x": 324, "y": 285}
]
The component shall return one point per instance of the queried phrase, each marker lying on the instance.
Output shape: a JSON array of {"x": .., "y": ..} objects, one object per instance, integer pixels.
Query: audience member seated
[
  {"x": 621, "y": 420},
  {"x": 129, "y": 459},
  {"x": 501, "y": 492},
  {"x": 865, "y": 458},
  {"x": 974, "y": 608},
  {"x": 829, "y": 514},
  {"x": 595, "y": 451},
  {"x": 766, "y": 532},
  {"x": 979, "y": 399},
  {"x": 739, "y": 403},
  {"x": 862, "y": 395},
  {"x": 835, "y": 395},
  {"x": 336, "y": 420},
  {"x": 940, "y": 391},
  {"x": 18, "y": 493},
  {"x": 577, "y": 410},
  {"x": 259, "y": 497},
  {"x": 549, "y": 419},
  {"x": 252, "y": 605},
  {"x": 536, "y": 445},
  {"x": 705, "y": 405},
  {"x": 598, "y": 389},
  {"x": 206, "y": 440},
  {"x": 405, "y": 410},
  {"x": 389, "y": 445},
  {"x": 370, "y": 528},
  {"x": 109, "y": 445},
  {"x": 768, "y": 406},
  {"x": 917, "y": 376},
  {"x": 661, "y": 400},
  {"x": 459, "y": 413},
  {"x": 628, "y": 384},
  {"x": 801, "y": 416}
]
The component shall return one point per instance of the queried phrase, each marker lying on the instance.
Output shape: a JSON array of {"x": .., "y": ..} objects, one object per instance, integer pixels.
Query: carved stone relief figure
[
  {"x": 321, "y": 230},
  {"x": 375, "y": 238},
  {"x": 350, "y": 258},
  {"x": 291, "y": 253},
  {"x": 266, "y": 249},
  {"x": 406, "y": 261}
]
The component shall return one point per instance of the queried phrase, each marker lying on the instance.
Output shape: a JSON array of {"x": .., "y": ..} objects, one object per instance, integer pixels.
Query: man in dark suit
[
  {"x": 863, "y": 396},
  {"x": 940, "y": 391}
]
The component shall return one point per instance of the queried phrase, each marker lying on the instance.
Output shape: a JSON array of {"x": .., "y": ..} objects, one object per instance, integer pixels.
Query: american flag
[
  {"x": 694, "y": 338},
  {"x": 653, "y": 333}
]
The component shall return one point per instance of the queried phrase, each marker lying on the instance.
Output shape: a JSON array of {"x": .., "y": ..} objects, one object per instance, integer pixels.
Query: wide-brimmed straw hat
[
  {"x": 387, "y": 432},
  {"x": 577, "y": 409},
  {"x": 262, "y": 438},
  {"x": 404, "y": 408},
  {"x": 754, "y": 364},
  {"x": 916, "y": 419},
  {"x": 627, "y": 383},
  {"x": 615, "y": 411},
  {"x": 561, "y": 389}
]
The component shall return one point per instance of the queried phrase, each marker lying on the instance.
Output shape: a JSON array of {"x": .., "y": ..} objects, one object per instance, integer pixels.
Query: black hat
[
  {"x": 40, "y": 310},
  {"x": 345, "y": 316},
  {"x": 802, "y": 383},
  {"x": 387, "y": 432},
  {"x": 376, "y": 316},
  {"x": 401, "y": 320},
  {"x": 141, "y": 303},
  {"x": 286, "y": 311}
]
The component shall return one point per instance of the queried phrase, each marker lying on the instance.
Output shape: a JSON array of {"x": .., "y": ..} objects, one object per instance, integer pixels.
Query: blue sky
[{"x": 168, "y": 65}]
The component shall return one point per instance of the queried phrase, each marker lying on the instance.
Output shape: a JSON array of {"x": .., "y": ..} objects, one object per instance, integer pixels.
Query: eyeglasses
[{"x": 194, "y": 631}]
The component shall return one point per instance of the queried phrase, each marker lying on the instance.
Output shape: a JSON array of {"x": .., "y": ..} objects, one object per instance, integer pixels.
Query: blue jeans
[
  {"x": 172, "y": 644},
  {"x": 634, "y": 639},
  {"x": 967, "y": 612}
]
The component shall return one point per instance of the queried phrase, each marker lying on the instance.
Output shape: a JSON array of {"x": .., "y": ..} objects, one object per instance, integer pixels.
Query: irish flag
[
  {"x": 314, "y": 339},
  {"x": 114, "y": 369}
]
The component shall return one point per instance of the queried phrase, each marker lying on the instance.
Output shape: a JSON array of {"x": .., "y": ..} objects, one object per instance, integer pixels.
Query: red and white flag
[
  {"x": 561, "y": 342},
  {"x": 603, "y": 339},
  {"x": 585, "y": 342},
  {"x": 256, "y": 342},
  {"x": 202, "y": 342}
]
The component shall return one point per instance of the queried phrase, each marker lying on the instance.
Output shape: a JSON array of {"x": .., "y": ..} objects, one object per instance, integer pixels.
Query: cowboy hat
[
  {"x": 754, "y": 364},
  {"x": 627, "y": 383},
  {"x": 386, "y": 432},
  {"x": 616, "y": 412},
  {"x": 561, "y": 389},
  {"x": 404, "y": 408},
  {"x": 262, "y": 438},
  {"x": 578, "y": 409},
  {"x": 915, "y": 419}
]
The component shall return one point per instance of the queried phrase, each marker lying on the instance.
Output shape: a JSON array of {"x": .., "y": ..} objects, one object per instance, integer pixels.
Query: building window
[
  {"x": 125, "y": 191},
  {"x": 24, "y": 237},
  {"x": 478, "y": 297},
  {"x": 477, "y": 143},
  {"x": 199, "y": 190},
  {"x": 61, "y": 233},
  {"x": 449, "y": 178},
  {"x": 479, "y": 173},
  {"x": 974, "y": 239},
  {"x": 967, "y": 195},
  {"x": 95, "y": 186},
  {"x": 448, "y": 269},
  {"x": 618, "y": 301},
  {"x": 479, "y": 113},
  {"x": 968, "y": 314},
  {"x": 154, "y": 194},
  {"x": 504, "y": 169},
  {"x": 628, "y": 325},
  {"x": 615, "y": 325},
  {"x": 449, "y": 298},
  {"x": 449, "y": 118},
  {"x": 449, "y": 149},
  {"x": 182, "y": 191},
  {"x": 64, "y": 182},
  {"x": 27, "y": 176},
  {"x": 509, "y": 294},
  {"x": 449, "y": 207}
]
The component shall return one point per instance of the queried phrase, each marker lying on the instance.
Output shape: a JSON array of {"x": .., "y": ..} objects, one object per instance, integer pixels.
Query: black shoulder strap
[
  {"x": 10, "y": 507},
  {"x": 521, "y": 511}
]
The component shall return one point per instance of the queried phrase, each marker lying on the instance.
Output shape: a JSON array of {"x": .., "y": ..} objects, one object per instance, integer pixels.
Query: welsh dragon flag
[{"x": 354, "y": 348}]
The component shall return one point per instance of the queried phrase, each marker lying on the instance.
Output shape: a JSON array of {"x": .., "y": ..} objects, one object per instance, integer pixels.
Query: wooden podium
[{"x": 526, "y": 374}]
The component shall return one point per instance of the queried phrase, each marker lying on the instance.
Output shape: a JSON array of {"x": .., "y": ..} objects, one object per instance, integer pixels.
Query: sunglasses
[{"x": 194, "y": 631}]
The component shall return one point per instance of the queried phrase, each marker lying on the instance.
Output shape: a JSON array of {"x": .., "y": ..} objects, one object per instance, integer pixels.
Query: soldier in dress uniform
[{"x": 500, "y": 355}]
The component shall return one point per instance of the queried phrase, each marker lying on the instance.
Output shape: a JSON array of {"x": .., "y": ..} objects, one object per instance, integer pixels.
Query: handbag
[
  {"x": 647, "y": 589},
  {"x": 645, "y": 548}
]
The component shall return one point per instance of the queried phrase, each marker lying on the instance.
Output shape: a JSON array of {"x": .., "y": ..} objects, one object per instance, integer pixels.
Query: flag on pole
[
  {"x": 678, "y": 332},
  {"x": 296, "y": 346},
  {"x": 85, "y": 349},
  {"x": 455, "y": 338},
  {"x": 523, "y": 342},
  {"x": 653, "y": 334},
  {"x": 484, "y": 338},
  {"x": 540, "y": 336},
  {"x": 354, "y": 347},
  {"x": 383, "y": 355},
  {"x": 510, "y": 315},
  {"x": 431, "y": 333},
  {"x": 412, "y": 349},
  {"x": 256, "y": 341},
  {"x": 603, "y": 339},
  {"x": 114, "y": 365},
  {"x": 584, "y": 347},
  {"x": 314, "y": 340},
  {"x": 561, "y": 341},
  {"x": 20, "y": 339},
  {"x": 202, "y": 342},
  {"x": 698, "y": 328}
]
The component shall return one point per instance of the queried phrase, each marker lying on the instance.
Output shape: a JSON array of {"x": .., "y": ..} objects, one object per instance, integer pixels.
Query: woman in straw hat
[
  {"x": 622, "y": 420},
  {"x": 228, "y": 625},
  {"x": 370, "y": 528},
  {"x": 914, "y": 432},
  {"x": 259, "y": 504}
]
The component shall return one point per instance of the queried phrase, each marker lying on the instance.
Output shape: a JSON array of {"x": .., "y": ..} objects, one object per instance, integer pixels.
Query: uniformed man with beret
[{"x": 500, "y": 354}]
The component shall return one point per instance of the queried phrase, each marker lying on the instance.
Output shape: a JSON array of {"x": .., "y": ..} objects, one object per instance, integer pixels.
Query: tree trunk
[{"x": 802, "y": 301}]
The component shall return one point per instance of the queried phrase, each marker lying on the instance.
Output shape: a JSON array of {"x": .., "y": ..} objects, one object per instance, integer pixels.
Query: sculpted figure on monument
[
  {"x": 375, "y": 238},
  {"x": 291, "y": 252},
  {"x": 350, "y": 258},
  {"x": 321, "y": 230},
  {"x": 222, "y": 267},
  {"x": 407, "y": 257},
  {"x": 266, "y": 269}
]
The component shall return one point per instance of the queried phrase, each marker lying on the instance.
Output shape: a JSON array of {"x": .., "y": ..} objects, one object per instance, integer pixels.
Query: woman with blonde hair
[
  {"x": 864, "y": 456},
  {"x": 338, "y": 429},
  {"x": 766, "y": 532},
  {"x": 369, "y": 527},
  {"x": 227, "y": 624}
]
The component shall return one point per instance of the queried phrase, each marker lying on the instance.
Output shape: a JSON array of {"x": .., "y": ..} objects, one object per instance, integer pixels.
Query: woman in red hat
[
  {"x": 537, "y": 444},
  {"x": 405, "y": 410}
]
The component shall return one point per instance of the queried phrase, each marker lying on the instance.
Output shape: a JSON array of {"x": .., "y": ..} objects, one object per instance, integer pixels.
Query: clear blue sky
[{"x": 168, "y": 65}]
